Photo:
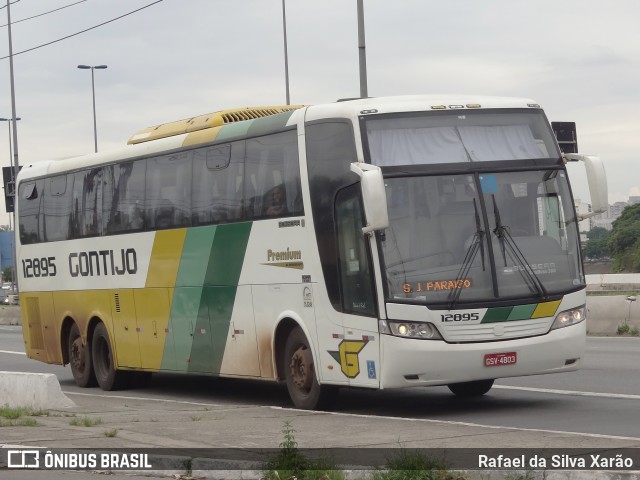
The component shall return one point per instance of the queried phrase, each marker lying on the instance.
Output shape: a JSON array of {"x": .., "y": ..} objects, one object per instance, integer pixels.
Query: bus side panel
[
  {"x": 125, "y": 341},
  {"x": 40, "y": 332},
  {"x": 152, "y": 306},
  {"x": 240, "y": 345}
]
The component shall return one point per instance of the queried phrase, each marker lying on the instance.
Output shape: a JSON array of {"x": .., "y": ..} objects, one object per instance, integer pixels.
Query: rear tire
[
  {"x": 80, "y": 359},
  {"x": 300, "y": 374},
  {"x": 104, "y": 366},
  {"x": 471, "y": 389}
]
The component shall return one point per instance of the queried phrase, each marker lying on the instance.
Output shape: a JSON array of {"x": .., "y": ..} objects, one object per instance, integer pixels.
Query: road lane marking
[
  {"x": 463, "y": 424},
  {"x": 127, "y": 397},
  {"x": 14, "y": 353},
  {"x": 576, "y": 393}
]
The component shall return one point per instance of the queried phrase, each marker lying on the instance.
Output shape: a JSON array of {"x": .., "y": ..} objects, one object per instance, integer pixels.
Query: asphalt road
[{"x": 600, "y": 399}]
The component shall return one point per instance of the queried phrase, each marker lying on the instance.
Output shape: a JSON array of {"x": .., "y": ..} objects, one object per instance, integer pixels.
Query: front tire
[
  {"x": 300, "y": 374},
  {"x": 80, "y": 359},
  {"x": 471, "y": 389},
  {"x": 104, "y": 366}
]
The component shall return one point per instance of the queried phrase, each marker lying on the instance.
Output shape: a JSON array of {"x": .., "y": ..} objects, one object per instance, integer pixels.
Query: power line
[
  {"x": 82, "y": 31},
  {"x": 10, "y": 3},
  {"x": 42, "y": 14}
]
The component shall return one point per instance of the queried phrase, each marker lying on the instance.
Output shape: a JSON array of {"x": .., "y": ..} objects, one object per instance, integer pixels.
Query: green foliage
[
  {"x": 85, "y": 422},
  {"x": 624, "y": 240},
  {"x": 408, "y": 465},
  {"x": 597, "y": 248},
  {"x": 598, "y": 233},
  {"x": 15, "y": 416},
  {"x": 627, "y": 330},
  {"x": 290, "y": 462},
  {"x": 7, "y": 274}
]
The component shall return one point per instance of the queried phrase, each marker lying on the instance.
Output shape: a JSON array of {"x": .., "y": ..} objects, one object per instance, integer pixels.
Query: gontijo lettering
[{"x": 103, "y": 262}]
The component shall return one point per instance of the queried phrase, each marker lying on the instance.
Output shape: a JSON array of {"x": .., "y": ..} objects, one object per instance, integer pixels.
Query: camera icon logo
[{"x": 23, "y": 459}]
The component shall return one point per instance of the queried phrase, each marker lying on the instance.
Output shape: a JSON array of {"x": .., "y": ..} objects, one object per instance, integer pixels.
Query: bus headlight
[
  {"x": 418, "y": 330},
  {"x": 569, "y": 317}
]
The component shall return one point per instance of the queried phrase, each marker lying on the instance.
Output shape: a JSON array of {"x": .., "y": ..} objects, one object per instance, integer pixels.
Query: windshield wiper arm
[
  {"x": 507, "y": 241},
  {"x": 476, "y": 244}
]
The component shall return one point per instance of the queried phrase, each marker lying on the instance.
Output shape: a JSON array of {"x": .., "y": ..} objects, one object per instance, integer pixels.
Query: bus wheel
[
  {"x": 304, "y": 389},
  {"x": 102, "y": 354},
  {"x": 80, "y": 359},
  {"x": 471, "y": 389}
]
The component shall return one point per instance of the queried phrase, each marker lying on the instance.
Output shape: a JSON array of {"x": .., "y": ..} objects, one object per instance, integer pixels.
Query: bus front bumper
[{"x": 412, "y": 363}]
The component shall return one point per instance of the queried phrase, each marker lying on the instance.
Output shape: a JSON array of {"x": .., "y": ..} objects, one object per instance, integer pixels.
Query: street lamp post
[
  {"x": 14, "y": 173},
  {"x": 93, "y": 94},
  {"x": 9, "y": 120},
  {"x": 286, "y": 55}
]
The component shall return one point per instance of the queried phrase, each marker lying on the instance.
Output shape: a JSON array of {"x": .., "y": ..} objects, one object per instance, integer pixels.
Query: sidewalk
[{"x": 238, "y": 433}]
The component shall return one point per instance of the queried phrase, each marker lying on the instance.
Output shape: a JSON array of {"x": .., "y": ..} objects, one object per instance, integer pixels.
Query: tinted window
[
  {"x": 57, "y": 207},
  {"x": 272, "y": 180},
  {"x": 168, "y": 192},
  {"x": 217, "y": 183},
  {"x": 123, "y": 197},
  {"x": 86, "y": 205},
  {"x": 30, "y": 218}
]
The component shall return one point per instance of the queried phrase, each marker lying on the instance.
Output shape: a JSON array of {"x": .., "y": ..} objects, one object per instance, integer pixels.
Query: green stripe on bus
[
  {"x": 262, "y": 126},
  {"x": 522, "y": 312},
  {"x": 204, "y": 296},
  {"x": 499, "y": 314},
  {"x": 223, "y": 268}
]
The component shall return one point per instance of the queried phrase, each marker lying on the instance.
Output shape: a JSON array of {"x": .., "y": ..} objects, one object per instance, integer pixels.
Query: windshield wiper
[
  {"x": 477, "y": 243},
  {"x": 507, "y": 241}
]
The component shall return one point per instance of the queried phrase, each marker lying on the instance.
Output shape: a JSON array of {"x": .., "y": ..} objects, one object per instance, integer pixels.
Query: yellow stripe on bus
[
  {"x": 165, "y": 258},
  {"x": 546, "y": 309}
]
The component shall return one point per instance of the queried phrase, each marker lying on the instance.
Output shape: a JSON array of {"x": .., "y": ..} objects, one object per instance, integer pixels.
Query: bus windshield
[
  {"x": 462, "y": 136},
  {"x": 477, "y": 237}
]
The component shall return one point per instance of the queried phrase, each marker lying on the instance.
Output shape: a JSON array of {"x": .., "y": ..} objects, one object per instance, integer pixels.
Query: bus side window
[
  {"x": 86, "y": 208},
  {"x": 216, "y": 194},
  {"x": 273, "y": 173},
  {"x": 123, "y": 197},
  {"x": 58, "y": 194},
  {"x": 30, "y": 218},
  {"x": 167, "y": 192}
]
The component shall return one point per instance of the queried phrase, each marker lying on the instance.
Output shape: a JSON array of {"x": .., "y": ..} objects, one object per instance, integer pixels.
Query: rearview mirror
[{"x": 374, "y": 196}]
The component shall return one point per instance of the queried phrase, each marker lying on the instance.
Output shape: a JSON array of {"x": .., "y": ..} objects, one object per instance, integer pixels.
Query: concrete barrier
[
  {"x": 10, "y": 315},
  {"x": 32, "y": 390}
]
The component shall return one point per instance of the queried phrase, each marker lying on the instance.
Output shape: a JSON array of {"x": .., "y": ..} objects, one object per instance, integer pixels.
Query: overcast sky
[{"x": 580, "y": 59}]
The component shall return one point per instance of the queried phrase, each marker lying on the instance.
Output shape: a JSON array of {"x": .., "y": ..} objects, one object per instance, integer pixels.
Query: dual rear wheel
[{"x": 93, "y": 363}]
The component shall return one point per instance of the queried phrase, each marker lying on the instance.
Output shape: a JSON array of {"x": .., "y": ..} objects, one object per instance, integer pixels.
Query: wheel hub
[
  {"x": 78, "y": 354},
  {"x": 301, "y": 368}
]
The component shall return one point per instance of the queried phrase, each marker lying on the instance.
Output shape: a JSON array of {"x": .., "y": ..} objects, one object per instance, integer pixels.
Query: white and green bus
[{"x": 376, "y": 243}]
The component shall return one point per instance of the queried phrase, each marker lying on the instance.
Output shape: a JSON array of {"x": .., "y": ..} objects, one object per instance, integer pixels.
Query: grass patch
[
  {"x": 20, "y": 416},
  {"x": 627, "y": 330},
  {"x": 409, "y": 465},
  {"x": 111, "y": 433},
  {"x": 290, "y": 462},
  {"x": 611, "y": 293},
  {"x": 85, "y": 422},
  {"x": 19, "y": 422},
  {"x": 14, "y": 413}
]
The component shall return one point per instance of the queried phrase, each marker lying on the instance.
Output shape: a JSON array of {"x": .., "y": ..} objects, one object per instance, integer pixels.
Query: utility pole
[{"x": 362, "y": 52}]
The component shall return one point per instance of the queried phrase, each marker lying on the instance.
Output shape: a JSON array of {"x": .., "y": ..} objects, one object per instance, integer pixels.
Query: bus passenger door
[{"x": 359, "y": 352}]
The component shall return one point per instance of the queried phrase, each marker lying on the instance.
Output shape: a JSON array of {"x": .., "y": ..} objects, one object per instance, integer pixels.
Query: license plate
[{"x": 500, "y": 359}]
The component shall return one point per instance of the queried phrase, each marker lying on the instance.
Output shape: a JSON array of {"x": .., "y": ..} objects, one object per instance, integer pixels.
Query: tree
[
  {"x": 7, "y": 274},
  {"x": 624, "y": 240},
  {"x": 597, "y": 247}
]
